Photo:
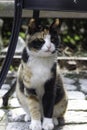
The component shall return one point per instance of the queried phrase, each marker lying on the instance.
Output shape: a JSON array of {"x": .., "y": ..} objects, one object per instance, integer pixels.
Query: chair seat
[{"x": 56, "y": 5}]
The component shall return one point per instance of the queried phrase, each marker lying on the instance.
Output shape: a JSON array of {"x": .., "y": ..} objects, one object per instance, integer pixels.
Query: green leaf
[
  {"x": 21, "y": 34},
  {"x": 77, "y": 38}
]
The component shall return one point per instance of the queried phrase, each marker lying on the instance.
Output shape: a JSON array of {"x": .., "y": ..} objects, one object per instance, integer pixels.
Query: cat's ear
[
  {"x": 55, "y": 25},
  {"x": 32, "y": 28}
]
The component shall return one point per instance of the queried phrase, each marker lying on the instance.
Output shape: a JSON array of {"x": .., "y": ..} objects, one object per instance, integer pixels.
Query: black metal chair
[{"x": 36, "y": 6}]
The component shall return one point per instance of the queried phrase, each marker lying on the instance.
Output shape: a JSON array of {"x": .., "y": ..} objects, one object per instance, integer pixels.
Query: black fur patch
[
  {"x": 36, "y": 44},
  {"x": 53, "y": 93},
  {"x": 49, "y": 96},
  {"x": 53, "y": 70},
  {"x": 59, "y": 93},
  {"x": 29, "y": 91},
  {"x": 25, "y": 55},
  {"x": 48, "y": 99}
]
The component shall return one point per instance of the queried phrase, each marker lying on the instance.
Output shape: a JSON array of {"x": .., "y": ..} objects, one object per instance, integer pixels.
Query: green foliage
[
  {"x": 74, "y": 33},
  {"x": 22, "y": 34},
  {"x": 11, "y": 68}
]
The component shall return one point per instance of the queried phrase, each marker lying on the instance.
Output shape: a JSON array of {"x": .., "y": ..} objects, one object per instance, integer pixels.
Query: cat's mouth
[{"x": 49, "y": 51}]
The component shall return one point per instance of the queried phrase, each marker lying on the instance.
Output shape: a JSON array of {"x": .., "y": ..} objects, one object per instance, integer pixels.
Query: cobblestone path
[{"x": 12, "y": 118}]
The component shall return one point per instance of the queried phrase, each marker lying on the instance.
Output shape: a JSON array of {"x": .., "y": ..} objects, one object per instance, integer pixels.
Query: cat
[{"x": 39, "y": 86}]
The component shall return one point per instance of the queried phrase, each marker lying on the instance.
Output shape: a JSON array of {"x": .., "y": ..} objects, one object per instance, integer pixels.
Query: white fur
[
  {"x": 48, "y": 46},
  {"x": 40, "y": 68},
  {"x": 55, "y": 121},
  {"x": 47, "y": 124},
  {"x": 35, "y": 125}
]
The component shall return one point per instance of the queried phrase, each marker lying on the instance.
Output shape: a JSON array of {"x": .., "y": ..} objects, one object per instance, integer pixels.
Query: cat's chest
[{"x": 41, "y": 71}]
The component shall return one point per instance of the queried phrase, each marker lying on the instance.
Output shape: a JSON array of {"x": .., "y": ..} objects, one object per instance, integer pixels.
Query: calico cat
[{"x": 39, "y": 86}]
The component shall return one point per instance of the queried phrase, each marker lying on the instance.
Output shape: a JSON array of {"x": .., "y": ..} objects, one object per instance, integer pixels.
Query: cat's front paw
[
  {"x": 35, "y": 125},
  {"x": 48, "y": 124}
]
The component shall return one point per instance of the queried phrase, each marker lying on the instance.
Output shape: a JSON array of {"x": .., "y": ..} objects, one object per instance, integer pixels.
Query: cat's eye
[
  {"x": 37, "y": 43},
  {"x": 40, "y": 42}
]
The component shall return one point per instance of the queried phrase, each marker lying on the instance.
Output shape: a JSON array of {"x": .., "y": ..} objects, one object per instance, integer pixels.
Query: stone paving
[{"x": 12, "y": 117}]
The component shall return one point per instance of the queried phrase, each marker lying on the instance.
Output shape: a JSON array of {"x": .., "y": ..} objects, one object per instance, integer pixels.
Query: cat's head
[{"x": 42, "y": 40}]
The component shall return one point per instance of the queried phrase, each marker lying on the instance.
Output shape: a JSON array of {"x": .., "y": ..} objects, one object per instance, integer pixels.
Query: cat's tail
[{"x": 9, "y": 93}]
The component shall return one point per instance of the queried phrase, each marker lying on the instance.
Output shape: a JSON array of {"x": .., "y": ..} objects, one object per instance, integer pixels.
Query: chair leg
[{"x": 9, "y": 93}]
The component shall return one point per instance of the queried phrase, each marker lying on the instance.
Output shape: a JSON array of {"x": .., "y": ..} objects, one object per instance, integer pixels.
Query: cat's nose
[{"x": 48, "y": 47}]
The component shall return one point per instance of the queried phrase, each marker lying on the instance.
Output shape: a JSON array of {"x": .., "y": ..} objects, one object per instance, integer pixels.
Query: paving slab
[
  {"x": 2, "y": 114},
  {"x": 15, "y": 115},
  {"x": 5, "y": 86},
  {"x": 83, "y": 85},
  {"x": 1, "y": 103},
  {"x": 2, "y": 92},
  {"x": 75, "y": 117},
  {"x": 68, "y": 80},
  {"x": 71, "y": 117},
  {"x": 2, "y": 127},
  {"x": 76, "y": 95},
  {"x": 14, "y": 103},
  {"x": 72, "y": 127},
  {"x": 18, "y": 126},
  {"x": 84, "y": 88},
  {"x": 77, "y": 105},
  {"x": 83, "y": 81},
  {"x": 70, "y": 87},
  {"x": 25, "y": 126}
]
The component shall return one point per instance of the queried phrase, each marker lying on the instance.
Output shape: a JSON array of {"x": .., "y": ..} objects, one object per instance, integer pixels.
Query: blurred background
[{"x": 72, "y": 51}]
